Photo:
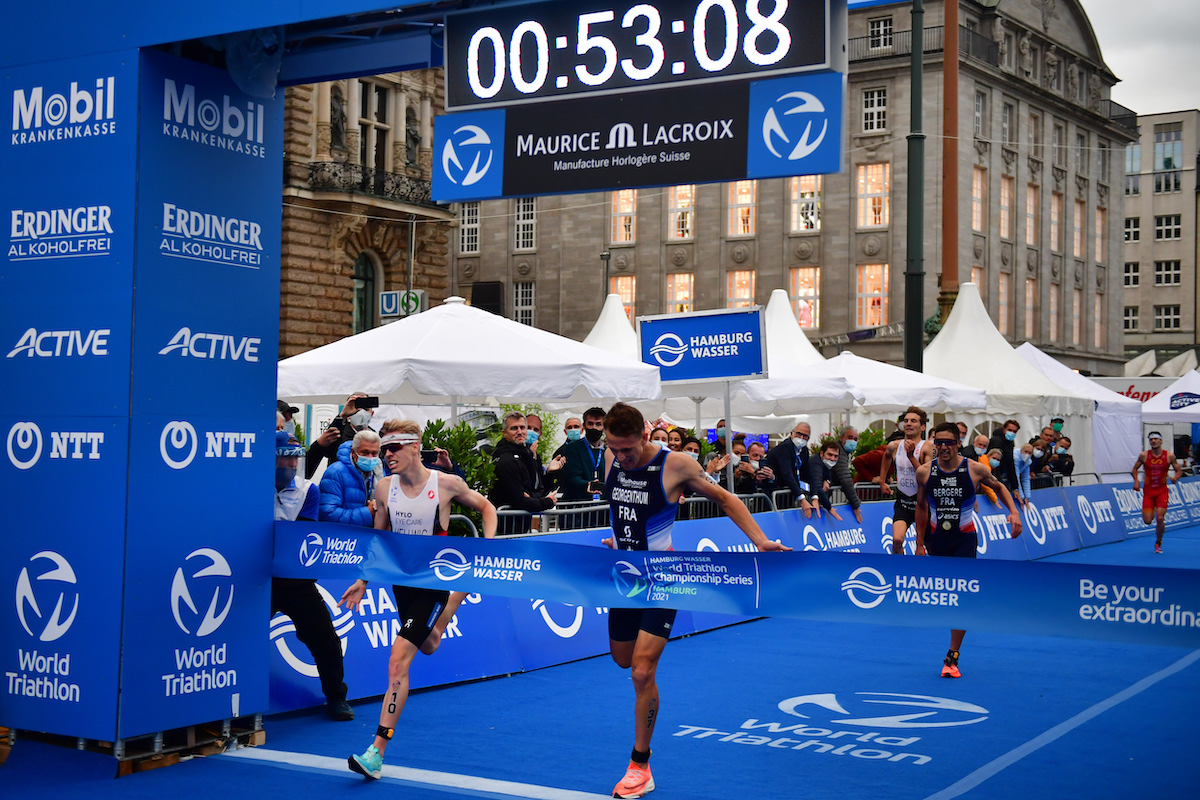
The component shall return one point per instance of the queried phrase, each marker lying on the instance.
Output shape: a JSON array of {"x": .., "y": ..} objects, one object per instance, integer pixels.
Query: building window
[
  {"x": 979, "y": 200},
  {"x": 1060, "y": 144},
  {"x": 525, "y": 224},
  {"x": 1133, "y": 166},
  {"x": 681, "y": 208},
  {"x": 468, "y": 229},
  {"x": 624, "y": 216},
  {"x": 871, "y": 296},
  {"x": 1133, "y": 273},
  {"x": 1099, "y": 250},
  {"x": 680, "y": 299},
  {"x": 1054, "y": 294},
  {"x": 1010, "y": 44},
  {"x": 1167, "y": 318},
  {"x": 1077, "y": 317},
  {"x": 1008, "y": 189},
  {"x": 879, "y": 33},
  {"x": 982, "y": 126},
  {"x": 742, "y": 208},
  {"x": 805, "y": 290},
  {"x": 1032, "y": 217},
  {"x": 1035, "y": 64},
  {"x": 1035, "y": 134},
  {"x": 625, "y": 287},
  {"x": 1098, "y": 322},
  {"x": 1167, "y": 227},
  {"x": 1056, "y": 222},
  {"x": 1105, "y": 151},
  {"x": 1081, "y": 153},
  {"x": 1168, "y": 157},
  {"x": 1008, "y": 116},
  {"x": 523, "y": 308},
  {"x": 1030, "y": 307},
  {"x": 1004, "y": 290},
  {"x": 980, "y": 282},
  {"x": 1132, "y": 314},
  {"x": 873, "y": 195},
  {"x": 1077, "y": 231},
  {"x": 806, "y": 203},
  {"x": 365, "y": 284},
  {"x": 739, "y": 288},
  {"x": 1133, "y": 229},
  {"x": 1168, "y": 273},
  {"x": 874, "y": 109},
  {"x": 374, "y": 124}
]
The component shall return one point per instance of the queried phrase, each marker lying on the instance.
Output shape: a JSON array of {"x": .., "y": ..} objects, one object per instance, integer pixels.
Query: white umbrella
[
  {"x": 886, "y": 388},
  {"x": 1178, "y": 366},
  {"x": 459, "y": 354}
]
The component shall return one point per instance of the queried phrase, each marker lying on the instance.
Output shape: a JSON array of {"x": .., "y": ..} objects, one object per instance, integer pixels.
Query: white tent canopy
[
  {"x": 1179, "y": 402},
  {"x": 1114, "y": 438},
  {"x": 1141, "y": 365},
  {"x": 459, "y": 354},
  {"x": 613, "y": 331},
  {"x": 1178, "y": 366},
  {"x": 886, "y": 388}
]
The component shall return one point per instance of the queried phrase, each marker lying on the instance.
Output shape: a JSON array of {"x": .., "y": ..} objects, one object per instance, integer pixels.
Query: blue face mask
[
  {"x": 531, "y": 437},
  {"x": 1062, "y": 451},
  {"x": 995, "y": 462},
  {"x": 574, "y": 434},
  {"x": 368, "y": 463},
  {"x": 1010, "y": 435},
  {"x": 850, "y": 445}
]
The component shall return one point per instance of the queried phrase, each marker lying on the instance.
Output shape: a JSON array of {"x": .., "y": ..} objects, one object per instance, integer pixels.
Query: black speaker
[{"x": 488, "y": 295}]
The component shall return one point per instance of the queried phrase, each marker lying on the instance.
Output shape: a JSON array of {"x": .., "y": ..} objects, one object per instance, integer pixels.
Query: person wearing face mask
[
  {"x": 518, "y": 477},
  {"x": 979, "y": 452},
  {"x": 298, "y": 598},
  {"x": 753, "y": 475},
  {"x": 1024, "y": 461},
  {"x": 1062, "y": 463},
  {"x": 347, "y": 486},
  {"x": 287, "y": 411},
  {"x": 847, "y": 444},
  {"x": 349, "y": 421},
  {"x": 1004, "y": 440},
  {"x": 796, "y": 469},
  {"x": 583, "y": 471}
]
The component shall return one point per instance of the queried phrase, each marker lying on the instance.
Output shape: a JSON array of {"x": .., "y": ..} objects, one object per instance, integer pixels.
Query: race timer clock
[{"x": 539, "y": 51}]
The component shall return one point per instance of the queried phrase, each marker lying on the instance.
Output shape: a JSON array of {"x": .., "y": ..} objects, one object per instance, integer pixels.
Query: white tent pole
[{"x": 453, "y": 410}]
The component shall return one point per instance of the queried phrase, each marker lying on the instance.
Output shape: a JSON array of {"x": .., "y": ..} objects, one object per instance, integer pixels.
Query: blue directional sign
[{"x": 728, "y": 344}]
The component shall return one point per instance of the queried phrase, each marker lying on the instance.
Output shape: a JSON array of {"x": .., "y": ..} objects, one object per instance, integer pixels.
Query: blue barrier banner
[
  {"x": 1097, "y": 516},
  {"x": 1123, "y": 604},
  {"x": 1049, "y": 524},
  {"x": 1129, "y": 504},
  {"x": 1187, "y": 491}
]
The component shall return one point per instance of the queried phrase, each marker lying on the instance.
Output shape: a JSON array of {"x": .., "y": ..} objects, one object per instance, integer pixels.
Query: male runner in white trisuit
[
  {"x": 413, "y": 500},
  {"x": 907, "y": 454}
]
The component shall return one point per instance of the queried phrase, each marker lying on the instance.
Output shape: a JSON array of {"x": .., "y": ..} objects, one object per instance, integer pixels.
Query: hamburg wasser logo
[
  {"x": 866, "y": 582},
  {"x": 212, "y": 582},
  {"x": 54, "y": 585},
  {"x": 668, "y": 350},
  {"x": 449, "y": 564}
]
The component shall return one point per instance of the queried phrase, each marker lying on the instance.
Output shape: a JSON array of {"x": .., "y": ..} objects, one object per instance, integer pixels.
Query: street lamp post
[{"x": 604, "y": 259}]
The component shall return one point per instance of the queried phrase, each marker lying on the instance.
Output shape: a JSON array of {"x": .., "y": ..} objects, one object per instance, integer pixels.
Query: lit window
[
  {"x": 1077, "y": 316},
  {"x": 1032, "y": 217},
  {"x": 1003, "y": 289},
  {"x": 1008, "y": 189},
  {"x": 625, "y": 287},
  {"x": 1054, "y": 293},
  {"x": 1098, "y": 322},
  {"x": 1056, "y": 222},
  {"x": 679, "y": 293},
  {"x": 739, "y": 288},
  {"x": 624, "y": 216},
  {"x": 806, "y": 203},
  {"x": 1101, "y": 236},
  {"x": 742, "y": 208},
  {"x": 1077, "y": 231},
  {"x": 1030, "y": 307},
  {"x": 874, "y": 181},
  {"x": 681, "y": 210},
  {"x": 979, "y": 199},
  {"x": 805, "y": 290},
  {"x": 871, "y": 296}
]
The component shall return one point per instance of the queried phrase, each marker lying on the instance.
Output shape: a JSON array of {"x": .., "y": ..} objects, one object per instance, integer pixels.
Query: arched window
[{"x": 365, "y": 292}]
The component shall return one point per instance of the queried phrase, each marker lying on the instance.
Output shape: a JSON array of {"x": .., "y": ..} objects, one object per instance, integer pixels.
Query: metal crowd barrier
[
  {"x": 703, "y": 508},
  {"x": 565, "y": 516},
  {"x": 466, "y": 522}
]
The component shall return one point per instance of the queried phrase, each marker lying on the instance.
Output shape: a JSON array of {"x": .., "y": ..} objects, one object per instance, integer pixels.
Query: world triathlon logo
[
  {"x": 211, "y": 580},
  {"x": 668, "y": 350},
  {"x": 561, "y": 631},
  {"x": 469, "y": 143},
  {"x": 55, "y": 586},
  {"x": 629, "y": 580},
  {"x": 310, "y": 549},
  {"x": 24, "y": 444},
  {"x": 177, "y": 444},
  {"x": 869, "y": 582},
  {"x": 939, "y": 712},
  {"x": 449, "y": 564},
  {"x": 794, "y": 143}
]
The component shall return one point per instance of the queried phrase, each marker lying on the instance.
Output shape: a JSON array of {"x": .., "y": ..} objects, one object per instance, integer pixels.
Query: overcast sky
[{"x": 1153, "y": 46}]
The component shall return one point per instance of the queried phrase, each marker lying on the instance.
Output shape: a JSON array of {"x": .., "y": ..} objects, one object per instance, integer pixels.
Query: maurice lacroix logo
[
  {"x": 42, "y": 114},
  {"x": 43, "y": 234},
  {"x": 55, "y": 584},
  {"x": 212, "y": 121},
  {"x": 178, "y": 444},
  {"x": 24, "y": 444}
]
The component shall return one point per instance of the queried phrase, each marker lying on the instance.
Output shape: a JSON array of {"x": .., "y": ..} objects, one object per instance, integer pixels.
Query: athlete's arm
[
  {"x": 1136, "y": 466},
  {"x": 354, "y": 593},
  {"x": 1174, "y": 467},
  {"x": 455, "y": 488},
  {"x": 885, "y": 466},
  {"x": 686, "y": 472},
  {"x": 921, "y": 520},
  {"x": 984, "y": 477}
]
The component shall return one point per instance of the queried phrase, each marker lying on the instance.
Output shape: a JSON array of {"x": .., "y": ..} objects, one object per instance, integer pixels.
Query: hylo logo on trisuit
[
  {"x": 211, "y": 580},
  {"x": 55, "y": 586}
]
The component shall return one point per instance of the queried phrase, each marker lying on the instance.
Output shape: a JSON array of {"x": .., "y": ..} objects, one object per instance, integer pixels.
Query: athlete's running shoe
[
  {"x": 637, "y": 781},
  {"x": 369, "y": 764},
  {"x": 1158, "y": 547},
  {"x": 950, "y": 665}
]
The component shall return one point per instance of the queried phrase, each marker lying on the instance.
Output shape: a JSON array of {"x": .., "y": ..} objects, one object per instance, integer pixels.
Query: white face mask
[
  {"x": 735, "y": 459},
  {"x": 800, "y": 441},
  {"x": 360, "y": 418},
  {"x": 980, "y": 451},
  {"x": 691, "y": 455},
  {"x": 829, "y": 464},
  {"x": 1038, "y": 453},
  {"x": 754, "y": 465}
]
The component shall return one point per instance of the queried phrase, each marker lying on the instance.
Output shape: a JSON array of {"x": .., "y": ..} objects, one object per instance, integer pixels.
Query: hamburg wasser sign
[{"x": 714, "y": 345}]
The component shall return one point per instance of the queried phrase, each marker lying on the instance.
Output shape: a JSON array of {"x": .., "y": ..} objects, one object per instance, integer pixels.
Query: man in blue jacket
[{"x": 348, "y": 487}]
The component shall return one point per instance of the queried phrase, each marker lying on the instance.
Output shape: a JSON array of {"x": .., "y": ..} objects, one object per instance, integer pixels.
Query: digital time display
[{"x": 538, "y": 51}]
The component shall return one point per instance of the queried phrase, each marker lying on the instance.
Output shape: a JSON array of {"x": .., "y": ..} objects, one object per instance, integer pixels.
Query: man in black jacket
[
  {"x": 795, "y": 469},
  {"x": 517, "y": 477},
  {"x": 841, "y": 472},
  {"x": 1002, "y": 440}
]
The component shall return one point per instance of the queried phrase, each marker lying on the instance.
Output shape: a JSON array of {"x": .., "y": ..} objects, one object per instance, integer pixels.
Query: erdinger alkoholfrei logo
[
  {"x": 209, "y": 578},
  {"x": 55, "y": 587},
  {"x": 867, "y": 581},
  {"x": 668, "y": 349},
  {"x": 629, "y": 580},
  {"x": 177, "y": 444},
  {"x": 24, "y": 444},
  {"x": 943, "y": 712},
  {"x": 467, "y": 144},
  {"x": 453, "y": 563},
  {"x": 282, "y": 625},
  {"x": 794, "y": 143},
  {"x": 561, "y": 631},
  {"x": 311, "y": 549}
]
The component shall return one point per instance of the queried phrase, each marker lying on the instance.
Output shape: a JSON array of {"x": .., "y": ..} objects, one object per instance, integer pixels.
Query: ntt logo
[
  {"x": 453, "y": 563},
  {"x": 668, "y": 350},
  {"x": 875, "y": 584}
]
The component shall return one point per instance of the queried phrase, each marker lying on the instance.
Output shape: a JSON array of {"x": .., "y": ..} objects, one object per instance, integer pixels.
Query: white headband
[{"x": 399, "y": 438}]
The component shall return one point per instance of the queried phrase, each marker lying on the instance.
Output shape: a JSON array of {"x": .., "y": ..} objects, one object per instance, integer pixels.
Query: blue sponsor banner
[
  {"x": 796, "y": 126},
  {"x": 1097, "y": 517},
  {"x": 1049, "y": 524},
  {"x": 1188, "y": 493},
  {"x": 1129, "y": 506},
  {"x": 1158, "y": 606},
  {"x": 708, "y": 345}
]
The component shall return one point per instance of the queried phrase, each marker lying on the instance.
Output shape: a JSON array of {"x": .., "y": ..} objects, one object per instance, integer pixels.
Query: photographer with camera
[{"x": 355, "y": 416}]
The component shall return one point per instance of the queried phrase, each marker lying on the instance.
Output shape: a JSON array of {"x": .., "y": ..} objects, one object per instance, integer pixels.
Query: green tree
[{"x": 460, "y": 442}]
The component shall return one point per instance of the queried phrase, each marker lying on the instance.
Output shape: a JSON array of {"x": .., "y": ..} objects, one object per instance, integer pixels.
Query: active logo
[
  {"x": 943, "y": 712},
  {"x": 212, "y": 578},
  {"x": 25, "y": 444},
  {"x": 214, "y": 346},
  {"x": 43, "y": 115},
  {"x": 283, "y": 634},
  {"x": 212, "y": 122},
  {"x": 561, "y": 631},
  {"x": 668, "y": 350},
  {"x": 55, "y": 585},
  {"x": 449, "y": 564},
  {"x": 52, "y": 344},
  {"x": 866, "y": 581}
]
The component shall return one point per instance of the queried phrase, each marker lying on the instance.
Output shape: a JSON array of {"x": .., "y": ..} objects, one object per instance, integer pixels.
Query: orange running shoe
[
  {"x": 638, "y": 782},
  {"x": 950, "y": 665}
]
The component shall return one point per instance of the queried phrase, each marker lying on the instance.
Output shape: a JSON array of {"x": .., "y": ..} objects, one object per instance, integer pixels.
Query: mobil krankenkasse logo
[
  {"x": 211, "y": 581},
  {"x": 311, "y": 548},
  {"x": 668, "y": 350},
  {"x": 629, "y": 580},
  {"x": 55, "y": 587},
  {"x": 869, "y": 582},
  {"x": 449, "y": 564},
  {"x": 24, "y": 444},
  {"x": 468, "y": 144}
]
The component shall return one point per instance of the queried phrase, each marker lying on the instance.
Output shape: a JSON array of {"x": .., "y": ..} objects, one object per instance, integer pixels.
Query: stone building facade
[
  {"x": 1039, "y": 195},
  {"x": 357, "y": 215}
]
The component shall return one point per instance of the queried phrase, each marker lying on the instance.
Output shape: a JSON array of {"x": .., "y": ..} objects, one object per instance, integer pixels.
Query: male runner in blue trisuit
[{"x": 643, "y": 485}]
